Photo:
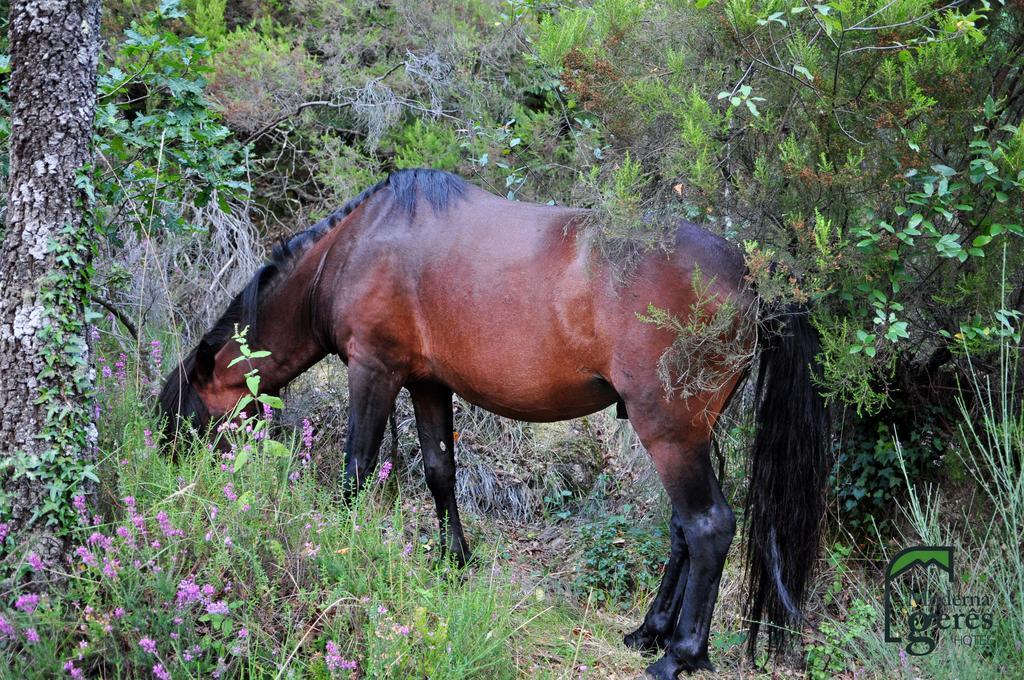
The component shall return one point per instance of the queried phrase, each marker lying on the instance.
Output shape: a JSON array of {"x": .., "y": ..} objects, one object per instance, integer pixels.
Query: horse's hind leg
[
  {"x": 708, "y": 526},
  {"x": 434, "y": 422},
  {"x": 660, "y": 621},
  {"x": 372, "y": 390}
]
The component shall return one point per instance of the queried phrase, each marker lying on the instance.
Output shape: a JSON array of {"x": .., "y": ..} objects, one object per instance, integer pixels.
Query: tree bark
[{"x": 47, "y": 440}]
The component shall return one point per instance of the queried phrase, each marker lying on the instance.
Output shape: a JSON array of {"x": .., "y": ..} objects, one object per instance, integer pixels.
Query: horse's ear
[{"x": 205, "y": 358}]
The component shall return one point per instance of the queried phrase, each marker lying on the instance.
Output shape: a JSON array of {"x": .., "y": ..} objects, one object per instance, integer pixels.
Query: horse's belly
[{"x": 540, "y": 401}]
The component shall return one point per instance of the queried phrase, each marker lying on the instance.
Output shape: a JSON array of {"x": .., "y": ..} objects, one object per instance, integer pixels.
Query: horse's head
[{"x": 199, "y": 391}]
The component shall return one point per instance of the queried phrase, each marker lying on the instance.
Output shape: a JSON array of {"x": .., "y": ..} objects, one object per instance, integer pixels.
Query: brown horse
[{"x": 432, "y": 284}]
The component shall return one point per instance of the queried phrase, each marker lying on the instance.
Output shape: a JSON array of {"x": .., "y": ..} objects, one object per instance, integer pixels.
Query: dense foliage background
[{"x": 872, "y": 148}]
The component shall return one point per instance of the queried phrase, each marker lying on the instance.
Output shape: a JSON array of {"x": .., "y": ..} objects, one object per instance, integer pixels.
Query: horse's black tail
[{"x": 789, "y": 466}]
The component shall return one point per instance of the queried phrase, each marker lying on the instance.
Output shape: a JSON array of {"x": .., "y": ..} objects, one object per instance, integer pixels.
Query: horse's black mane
[{"x": 438, "y": 188}]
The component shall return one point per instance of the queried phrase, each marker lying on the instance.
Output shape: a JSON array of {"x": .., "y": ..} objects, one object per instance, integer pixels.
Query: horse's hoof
[
  {"x": 668, "y": 668},
  {"x": 699, "y": 663},
  {"x": 641, "y": 641},
  {"x": 663, "y": 669},
  {"x": 461, "y": 559}
]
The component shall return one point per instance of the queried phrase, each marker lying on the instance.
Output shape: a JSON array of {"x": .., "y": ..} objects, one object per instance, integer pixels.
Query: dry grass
[{"x": 181, "y": 281}]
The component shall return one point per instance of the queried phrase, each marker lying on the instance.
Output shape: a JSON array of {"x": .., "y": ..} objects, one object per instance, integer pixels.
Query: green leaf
[
  {"x": 252, "y": 381},
  {"x": 276, "y": 449},
  {"x": 242, "y": 403},
  {"x": 241, "y": 459},
  {"x": 271, "y": 401}
]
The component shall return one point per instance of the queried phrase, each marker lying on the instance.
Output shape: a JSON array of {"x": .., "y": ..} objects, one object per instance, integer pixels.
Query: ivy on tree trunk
[{"x": 47, "y": 438}]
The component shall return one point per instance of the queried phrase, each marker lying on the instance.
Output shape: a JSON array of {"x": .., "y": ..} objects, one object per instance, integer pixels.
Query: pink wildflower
[
  {"x": 148, "y": 645},
  {"x": 36, "y": 562},
  {"x": 27, "y": 603},
  {"x": 385, "y": 470},
  {"x": 160, "y": 672},
  {"x": 156, "y": 354},
  {"x": 79, "y": 504},
  {"x": 102, "y": 540},
  {"x": 111, "y": 567},
  {"x": 188, "y": 592},
  {"x": 6, "y": 629},
  {"x": 334, "y": 659},
  {"x": 31, "y": 635},
  {"x": 307, "y": 433},
  {"x": 229, "y": 492},
  {"x": 87, "y": 557},
  {"x": 166, "y": 527},
  {"x": 218, "y": 608}
]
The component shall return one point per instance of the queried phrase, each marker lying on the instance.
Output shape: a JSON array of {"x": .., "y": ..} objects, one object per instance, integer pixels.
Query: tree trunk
[{"x": 47, "y": 440}]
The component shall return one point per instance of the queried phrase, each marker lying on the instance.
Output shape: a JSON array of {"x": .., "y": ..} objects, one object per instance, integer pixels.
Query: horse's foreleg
[
  {"x": 434, "y": 422},
  {"x": 708, "y": 527},
  {"x": 660, "y": 621},
  {"x": 372, "y": 390}
]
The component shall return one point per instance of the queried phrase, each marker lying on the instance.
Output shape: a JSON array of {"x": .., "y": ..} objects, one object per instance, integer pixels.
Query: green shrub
[
  {"x": 620, "y": 559},
  {"x": 868, "y": 478}
]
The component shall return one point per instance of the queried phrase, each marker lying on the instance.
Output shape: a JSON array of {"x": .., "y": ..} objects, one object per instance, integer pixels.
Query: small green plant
[
  {"x": 620, "y": 559},
  {"x": 832, "y": 654},
  {"x": 558, "y": 503},
  {"x": 252, "y": 376}
]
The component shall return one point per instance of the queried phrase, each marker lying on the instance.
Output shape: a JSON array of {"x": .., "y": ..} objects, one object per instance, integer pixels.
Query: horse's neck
[{"x": 285, "y": 332}]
